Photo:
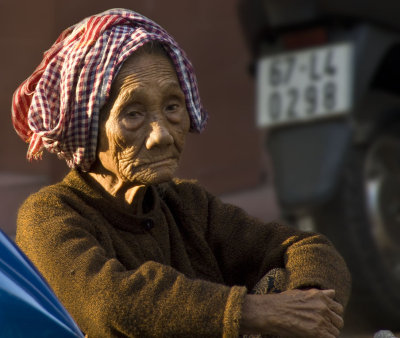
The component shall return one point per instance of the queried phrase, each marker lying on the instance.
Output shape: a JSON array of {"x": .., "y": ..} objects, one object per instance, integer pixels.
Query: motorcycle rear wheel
[{"x": 363, "y": 221}]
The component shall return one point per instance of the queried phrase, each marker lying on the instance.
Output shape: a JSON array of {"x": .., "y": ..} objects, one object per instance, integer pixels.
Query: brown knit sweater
[{"x": 178, "y": 263}]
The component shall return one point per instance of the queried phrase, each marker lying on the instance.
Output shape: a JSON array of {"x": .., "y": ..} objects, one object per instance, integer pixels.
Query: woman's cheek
[{"x": 179, "y": 141}]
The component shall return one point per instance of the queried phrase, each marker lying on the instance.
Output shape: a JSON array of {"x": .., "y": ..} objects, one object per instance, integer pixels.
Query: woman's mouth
[{"x": 159, "y": 163}]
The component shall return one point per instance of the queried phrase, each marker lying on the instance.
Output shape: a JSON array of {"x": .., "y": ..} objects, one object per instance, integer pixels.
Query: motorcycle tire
[{"x": 363, "y": 222}]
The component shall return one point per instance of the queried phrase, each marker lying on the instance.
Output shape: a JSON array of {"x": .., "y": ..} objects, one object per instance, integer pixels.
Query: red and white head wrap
[{"x": 58, "y": 106}]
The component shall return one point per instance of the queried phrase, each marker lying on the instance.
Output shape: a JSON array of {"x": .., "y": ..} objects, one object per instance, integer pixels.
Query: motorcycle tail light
[{"x": 305, "y": 38}]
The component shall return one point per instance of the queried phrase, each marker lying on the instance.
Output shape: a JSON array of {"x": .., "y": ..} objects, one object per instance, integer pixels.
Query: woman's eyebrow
[
  {"x": 174, "y": 87},
  {"x": 171, "y": 84},
  {"x": 127, "y": 95}
]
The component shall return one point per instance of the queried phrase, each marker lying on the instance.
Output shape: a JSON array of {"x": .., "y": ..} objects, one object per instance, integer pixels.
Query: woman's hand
[{"x": 293, "y": 313}]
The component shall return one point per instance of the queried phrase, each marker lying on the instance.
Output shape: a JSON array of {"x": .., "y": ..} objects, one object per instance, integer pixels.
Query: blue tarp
[{"x": 28, "y": 307}]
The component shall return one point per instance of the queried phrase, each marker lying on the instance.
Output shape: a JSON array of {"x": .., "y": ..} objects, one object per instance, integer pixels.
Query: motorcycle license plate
[{"x": 304, "y": 85}]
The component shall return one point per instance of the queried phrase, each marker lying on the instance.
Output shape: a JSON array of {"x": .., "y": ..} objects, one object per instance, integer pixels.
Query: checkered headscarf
[{"x": 58, "y": 106}]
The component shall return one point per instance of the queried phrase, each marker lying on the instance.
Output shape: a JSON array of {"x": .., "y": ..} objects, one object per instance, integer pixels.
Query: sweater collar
[{"x": 139, "y": 212}]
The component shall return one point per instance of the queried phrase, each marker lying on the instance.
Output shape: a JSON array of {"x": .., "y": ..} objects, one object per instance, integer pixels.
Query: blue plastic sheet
[{"x": 28, "y": 307}]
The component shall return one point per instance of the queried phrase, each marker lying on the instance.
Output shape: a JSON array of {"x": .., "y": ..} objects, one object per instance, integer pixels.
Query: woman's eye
[
  {"x": 133, "y": 119},
  {"x": 134, "y": 114},
  {"x": 174, "y": 112},
  {"x": 172, "y": 107}
]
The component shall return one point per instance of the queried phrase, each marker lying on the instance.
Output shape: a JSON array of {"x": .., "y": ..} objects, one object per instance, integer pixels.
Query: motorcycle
[{"x": 328, "y": 95}]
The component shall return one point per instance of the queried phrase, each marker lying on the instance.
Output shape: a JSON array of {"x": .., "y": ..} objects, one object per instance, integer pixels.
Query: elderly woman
[{"x": 130, "y": 250}]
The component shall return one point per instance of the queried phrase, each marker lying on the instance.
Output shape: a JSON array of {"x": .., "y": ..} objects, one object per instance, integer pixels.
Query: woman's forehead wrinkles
[
  {"x": 131, "y": 89},
  {"x": 138, "y": 75}
]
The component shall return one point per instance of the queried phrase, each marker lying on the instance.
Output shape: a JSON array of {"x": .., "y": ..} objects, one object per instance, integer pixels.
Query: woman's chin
[{"x": 160, "y": 177}]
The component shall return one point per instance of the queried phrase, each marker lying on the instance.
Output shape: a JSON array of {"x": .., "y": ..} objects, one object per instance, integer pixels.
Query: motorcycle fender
[{"x": 307, "y": 160}]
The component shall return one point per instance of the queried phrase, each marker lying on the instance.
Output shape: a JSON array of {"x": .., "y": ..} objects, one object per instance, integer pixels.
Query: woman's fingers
[
  {"x": 333, "y": 305},
  {"x": 330, "y": 293},
  {"x": 328, "y": 311},
  {"x": 333, "y": 331},
  {"x": 337, "y": 320},
  {"x": 335, "y": 313},
  {"x": 335, "y": 324},
  {"x": 336, "y": 307}
]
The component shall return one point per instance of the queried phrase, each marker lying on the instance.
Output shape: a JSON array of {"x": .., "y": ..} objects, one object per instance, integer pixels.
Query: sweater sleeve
[
  {"x": 103, "y": 296},
  {"x": 247, "y": 249}
]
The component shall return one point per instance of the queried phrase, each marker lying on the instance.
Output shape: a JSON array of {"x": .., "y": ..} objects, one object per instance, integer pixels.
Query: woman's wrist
[{"x": 255, "y": 317}]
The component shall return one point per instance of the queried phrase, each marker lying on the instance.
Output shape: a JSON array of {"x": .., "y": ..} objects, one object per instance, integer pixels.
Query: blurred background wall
[{"x": 227, "y": 157}]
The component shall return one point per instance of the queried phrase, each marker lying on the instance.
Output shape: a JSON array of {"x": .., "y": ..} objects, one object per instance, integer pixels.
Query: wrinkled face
[{"x": 144, "y": 124}]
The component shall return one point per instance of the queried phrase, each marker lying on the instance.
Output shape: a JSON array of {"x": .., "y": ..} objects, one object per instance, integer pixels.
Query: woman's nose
[{"x": 159, "y": 135}]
